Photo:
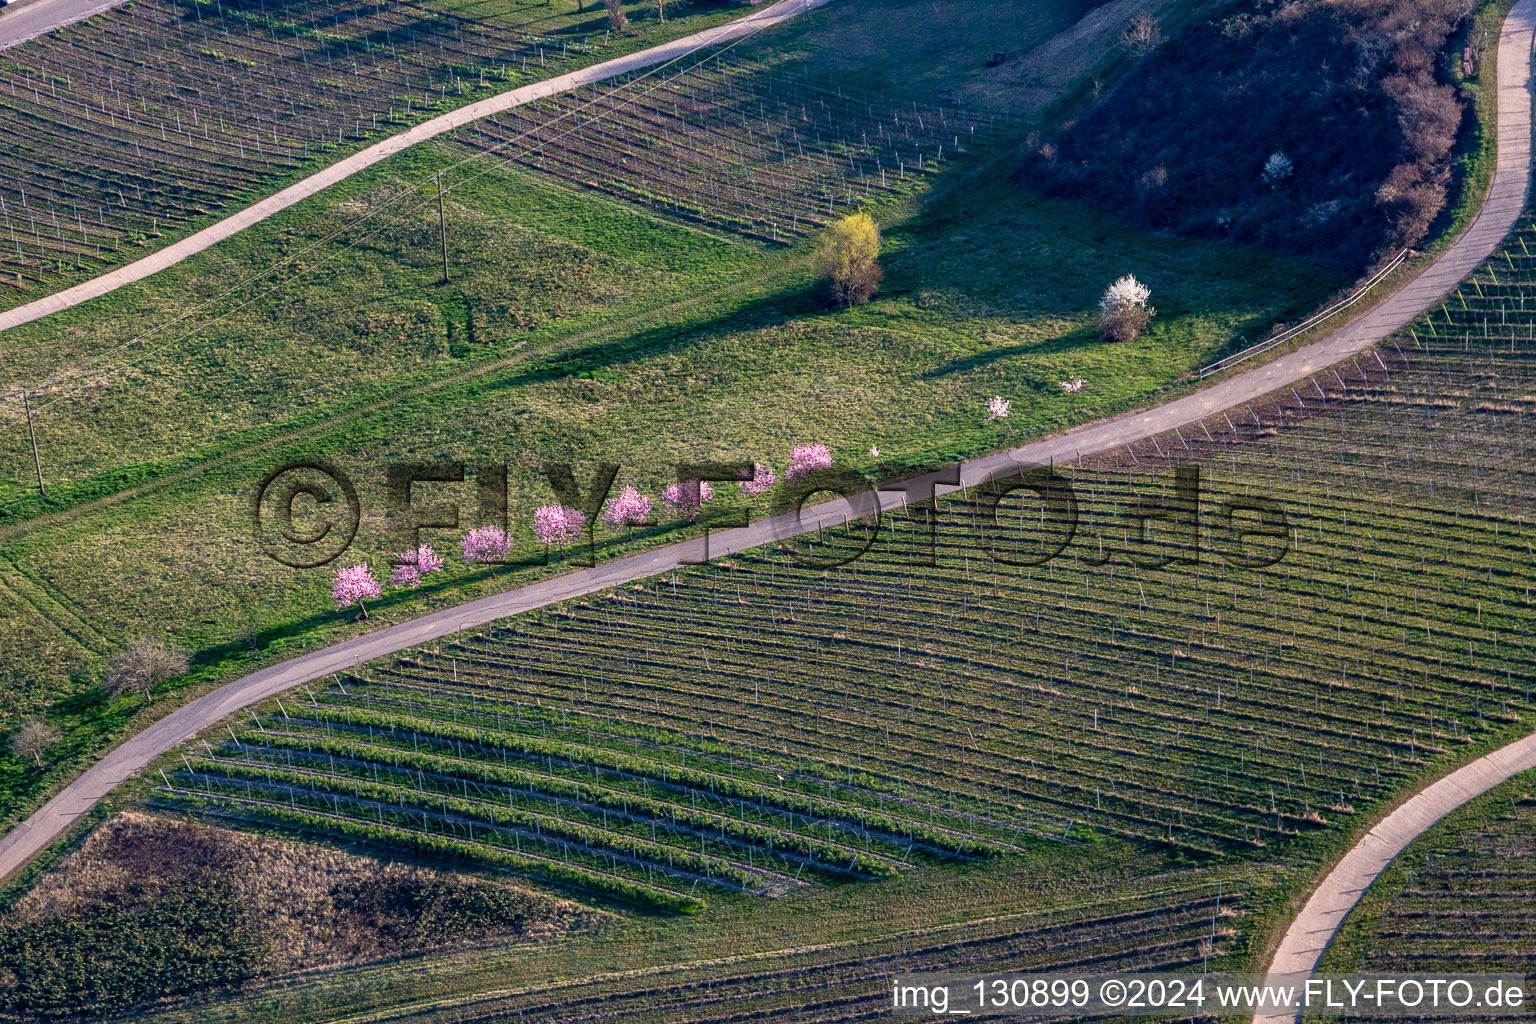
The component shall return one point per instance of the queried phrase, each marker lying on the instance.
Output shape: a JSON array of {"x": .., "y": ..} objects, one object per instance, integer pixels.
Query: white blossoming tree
[
  {"x": 1123, "y": 311},
  {"x": 1277, "y": 169}
]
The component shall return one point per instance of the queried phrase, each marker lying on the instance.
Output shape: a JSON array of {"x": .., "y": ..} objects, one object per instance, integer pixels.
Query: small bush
[
  {"x": 618, "y": 21},
  {"x": 1123, "y": 311},
  {"x": 847, "y": 261},
  {"x": 1142, "y": 35}
]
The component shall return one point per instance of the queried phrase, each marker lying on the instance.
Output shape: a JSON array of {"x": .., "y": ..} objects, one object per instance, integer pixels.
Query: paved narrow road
[
  {"x": 1301, "y": 948},
  {"x": 32, "y": 18},
  {"x": 257, "y": 212},
  {"x": 1504, "y": 203}
]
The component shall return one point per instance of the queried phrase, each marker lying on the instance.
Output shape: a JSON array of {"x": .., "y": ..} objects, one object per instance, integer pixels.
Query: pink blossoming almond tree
[
  {"x": 486, "y": 544},
  {"x": 808, "y": 458},
  {"x": 687, "y": 499},
  {"x": 626, "y": 511},
  {"x": 411, "y": 566},
  {"x": 763, "y": 479},
  {"x": 557, "y": 525},
  {"x": 352, "y": 585}
]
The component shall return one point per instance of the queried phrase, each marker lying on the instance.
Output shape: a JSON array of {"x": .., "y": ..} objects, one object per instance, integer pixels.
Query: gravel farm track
[{"x": 1302, "y": 945}]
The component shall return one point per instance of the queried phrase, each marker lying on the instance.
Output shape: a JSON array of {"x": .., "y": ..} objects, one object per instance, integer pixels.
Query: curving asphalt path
[
  {"x": 32, "y": 18},
  {"x": 257, "y": 212},
  {"x": 1301, "y": 948},
  {"x": 1504, "y": 203}
]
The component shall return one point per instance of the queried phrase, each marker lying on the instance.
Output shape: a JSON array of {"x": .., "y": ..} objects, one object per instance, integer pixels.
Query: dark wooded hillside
[{"x": 1324, "y": 129}]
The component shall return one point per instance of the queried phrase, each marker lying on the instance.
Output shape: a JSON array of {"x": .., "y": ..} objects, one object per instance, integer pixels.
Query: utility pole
[
  {"x": 442, "y": 222},
  {"x": 37, "y": 461}
]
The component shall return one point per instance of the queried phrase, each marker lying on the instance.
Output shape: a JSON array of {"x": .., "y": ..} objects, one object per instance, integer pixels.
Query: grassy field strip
[
  {"x": 320, "y": 823},
  {"x": 53, "y": 607},
  {"x": 259, "y": 211},
  {"x": 743, "y": 849},
  {"x": 793, "y": 807},
  {"x": 224, "y": 463},
  {"x": 855, "y": 986},
  {"x": 591, "y": 801},
  {"x": 632, "y": 730}
]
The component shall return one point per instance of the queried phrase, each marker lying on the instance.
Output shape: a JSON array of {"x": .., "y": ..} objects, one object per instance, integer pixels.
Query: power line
[
  {"x": 78, "y": 372},
  {"x": 37, "y": 461},
  {"x": 85, "y": 378},
  {"x": 442, "y": 222}
]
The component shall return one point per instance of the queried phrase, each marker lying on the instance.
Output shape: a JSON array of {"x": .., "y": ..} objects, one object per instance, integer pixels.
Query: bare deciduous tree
[
  {"x": 1142, "y": 35},
  {"x": 1477, "y": 44},
  {"x": 34, "y": 738},
  {"x": 618, "y": 21},
  {"x": 143, "y": 666}
]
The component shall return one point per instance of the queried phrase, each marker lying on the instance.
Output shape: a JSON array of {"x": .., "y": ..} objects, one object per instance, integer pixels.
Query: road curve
[
  {"x": 1504, "y": 203},
  {"x": 1302, "y": 947},
  {"x": 259, "y": 211}
]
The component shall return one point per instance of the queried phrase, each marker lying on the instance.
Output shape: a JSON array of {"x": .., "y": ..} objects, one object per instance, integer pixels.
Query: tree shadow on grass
[
  {"x": 995, "y": 250},
  {"x": 510, "y": 576},
  {"x": 787, "y": 304},
  {"x": 1073, "y": 342},
  {"x": 759, "y": 314}
]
